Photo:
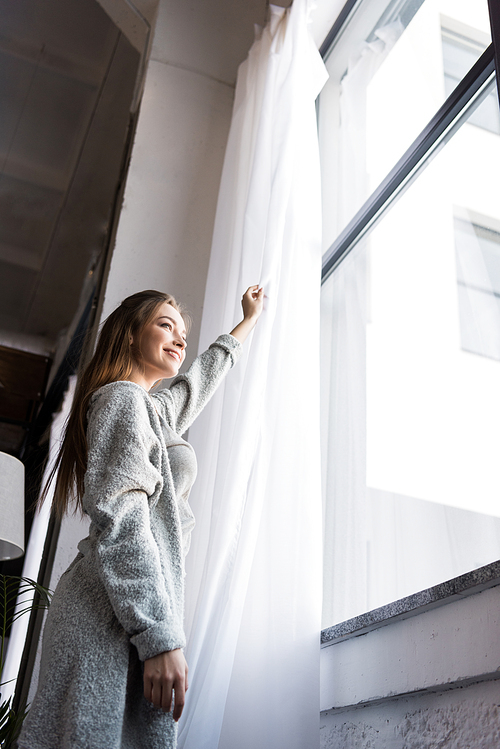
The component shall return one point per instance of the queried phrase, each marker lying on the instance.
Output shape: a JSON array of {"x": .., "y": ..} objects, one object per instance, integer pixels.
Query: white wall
[
  {"x": 165, "y": 229},
  {"x": 426, "y": 681}
]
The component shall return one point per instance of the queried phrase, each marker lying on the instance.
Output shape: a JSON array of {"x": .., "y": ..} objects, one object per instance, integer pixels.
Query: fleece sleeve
[
  {"x": 190, "y": 392},
  {"x": 122, "y": 473}
]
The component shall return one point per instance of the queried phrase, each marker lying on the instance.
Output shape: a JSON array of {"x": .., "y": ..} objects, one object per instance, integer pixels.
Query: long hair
[{"x": 113, "y": 360}]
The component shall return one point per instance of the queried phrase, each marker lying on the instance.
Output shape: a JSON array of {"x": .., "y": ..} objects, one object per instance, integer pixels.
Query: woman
[{"x": 113, "y": 674}]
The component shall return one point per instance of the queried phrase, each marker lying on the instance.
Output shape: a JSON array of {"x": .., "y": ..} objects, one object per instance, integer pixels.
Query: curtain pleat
[{"x": 253, "y": 598}]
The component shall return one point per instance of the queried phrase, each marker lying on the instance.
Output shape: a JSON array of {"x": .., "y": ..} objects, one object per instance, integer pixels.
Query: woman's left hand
[{"x": 253, "y": 304}]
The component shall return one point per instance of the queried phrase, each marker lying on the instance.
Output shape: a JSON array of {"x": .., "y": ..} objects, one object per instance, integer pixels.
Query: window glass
[
  {"x": 477, "y": 247},
  {"x": 390, "y": 71},
  {"x": 459, "y": 54},
  {"x": 410, "y": 386}
]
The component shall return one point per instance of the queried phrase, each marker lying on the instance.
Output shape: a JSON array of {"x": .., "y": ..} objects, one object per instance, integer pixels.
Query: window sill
[{"x": 425, "y": 600}]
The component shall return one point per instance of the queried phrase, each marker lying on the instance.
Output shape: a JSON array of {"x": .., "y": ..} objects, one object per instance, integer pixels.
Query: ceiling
[{"x": 67, "y": 78}]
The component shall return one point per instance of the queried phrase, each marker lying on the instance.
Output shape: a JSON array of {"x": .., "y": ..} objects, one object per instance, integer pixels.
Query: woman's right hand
[{"x": 163, "y": 673}]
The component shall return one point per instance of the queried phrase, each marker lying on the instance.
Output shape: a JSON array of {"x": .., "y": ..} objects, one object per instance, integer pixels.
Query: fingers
[
  {"x": 147, "y": 689},
  {"x": 165, "y": 679},
  {"x": 253, "y": 303},
  {"x": 166, "y": 697},
  {"x": 252, "y": 293},
  {"x": 156, "y": 690},
  {"x": 179, "y": 698},
  {"x": 257, "y": 293},
  {"x": 160, "y": 695}
]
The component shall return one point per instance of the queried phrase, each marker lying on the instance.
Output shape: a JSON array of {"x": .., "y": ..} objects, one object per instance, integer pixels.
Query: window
[
  {"x": 477, "y": 247},
  {"x": 386, "y": 83},
  {"x": 460, "y": 52},
  {"x": 410, "y": 313}
]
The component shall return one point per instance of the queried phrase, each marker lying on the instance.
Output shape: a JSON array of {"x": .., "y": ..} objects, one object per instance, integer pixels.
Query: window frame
[{"x": 434, "y": 135}]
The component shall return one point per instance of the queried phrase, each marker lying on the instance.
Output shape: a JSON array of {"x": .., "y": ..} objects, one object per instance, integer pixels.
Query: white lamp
[{"x": 11, "y": 507}]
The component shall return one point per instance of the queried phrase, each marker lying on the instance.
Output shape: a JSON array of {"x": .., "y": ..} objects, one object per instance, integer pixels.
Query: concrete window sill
[
  {"x": 436, "y": 640},
  {"x": 425, "y": 600}
]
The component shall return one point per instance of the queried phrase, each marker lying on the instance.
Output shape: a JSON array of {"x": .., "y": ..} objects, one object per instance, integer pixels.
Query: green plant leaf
[
  {"x": 10, "y": 724},
  {"x": 31, "y": 596}
]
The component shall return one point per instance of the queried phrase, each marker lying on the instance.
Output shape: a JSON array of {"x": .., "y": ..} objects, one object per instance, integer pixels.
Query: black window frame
[{"x": 434, "y": 135}]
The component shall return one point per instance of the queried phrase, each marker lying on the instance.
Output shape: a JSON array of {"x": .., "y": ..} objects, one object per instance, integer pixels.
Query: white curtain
[
  {"x": 343, "y": 440},
  {"x": 354, "y": 185},
  {"x": 253, "y": 596}
]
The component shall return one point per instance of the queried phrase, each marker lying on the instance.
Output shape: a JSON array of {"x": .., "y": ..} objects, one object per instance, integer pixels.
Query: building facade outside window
[
  {"x": 477, "y": 247},
  {"x": 411, "y": 313},
  {"x": 461, "y": 49}
]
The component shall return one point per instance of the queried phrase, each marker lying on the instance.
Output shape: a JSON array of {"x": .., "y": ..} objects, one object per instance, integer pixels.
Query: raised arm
[{"x": 189, "y": 393}]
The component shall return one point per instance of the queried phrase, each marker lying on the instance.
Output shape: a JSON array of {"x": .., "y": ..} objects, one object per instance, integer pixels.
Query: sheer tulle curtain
[
  {"x": 253, "y": 596},
  {"x": 343, "y": 439},
  {"x": 354, "y": 186}
]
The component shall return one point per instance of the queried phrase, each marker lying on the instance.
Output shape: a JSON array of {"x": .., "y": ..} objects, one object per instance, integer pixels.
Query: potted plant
[{"x": 29, "y": 596}]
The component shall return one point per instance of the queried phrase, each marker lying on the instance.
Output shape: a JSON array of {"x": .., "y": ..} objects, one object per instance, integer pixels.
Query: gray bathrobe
[{"x": 121, "y": 600}]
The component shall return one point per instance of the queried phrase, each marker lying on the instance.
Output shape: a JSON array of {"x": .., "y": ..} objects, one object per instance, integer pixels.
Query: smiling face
[{"x": 161, "y": 347}]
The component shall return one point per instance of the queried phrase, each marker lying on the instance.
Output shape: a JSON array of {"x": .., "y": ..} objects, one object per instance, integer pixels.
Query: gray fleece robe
[{"x": 121, "y": 600}]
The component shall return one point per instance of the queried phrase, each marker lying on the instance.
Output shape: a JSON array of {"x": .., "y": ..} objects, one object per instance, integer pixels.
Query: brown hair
[{"x": 113, "y": 360}]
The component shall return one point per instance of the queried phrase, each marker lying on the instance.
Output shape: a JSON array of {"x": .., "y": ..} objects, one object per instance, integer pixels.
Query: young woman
[{"x": 113, "y": 674}]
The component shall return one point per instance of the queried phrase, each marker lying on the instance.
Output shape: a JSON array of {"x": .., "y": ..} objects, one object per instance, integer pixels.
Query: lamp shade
[{"x": 11, "y": 507}]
